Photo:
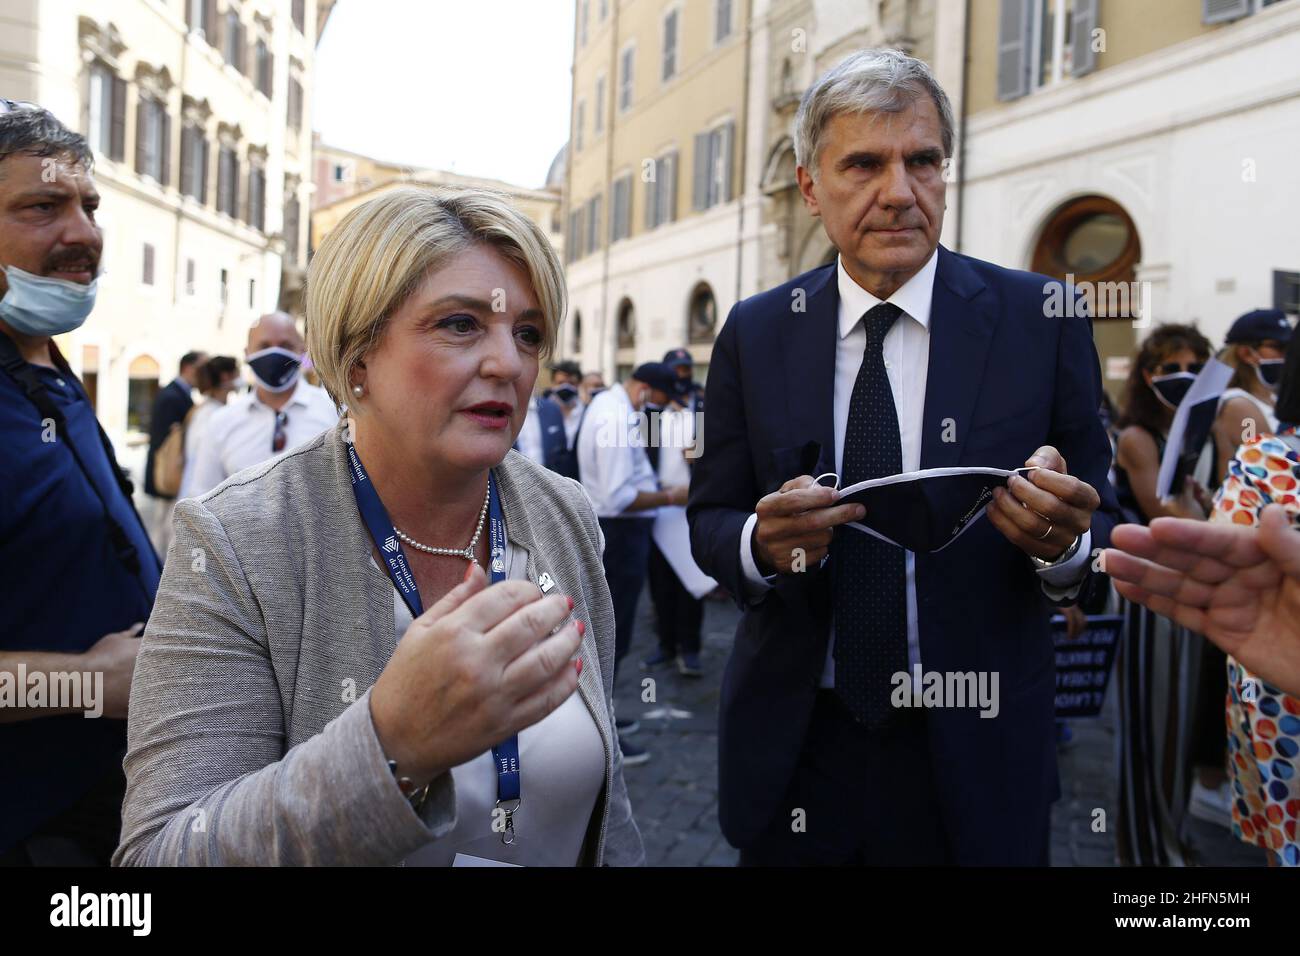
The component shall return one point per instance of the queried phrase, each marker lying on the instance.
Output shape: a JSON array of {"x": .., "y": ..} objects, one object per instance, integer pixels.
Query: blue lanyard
[{"x": 505, "y": 755}]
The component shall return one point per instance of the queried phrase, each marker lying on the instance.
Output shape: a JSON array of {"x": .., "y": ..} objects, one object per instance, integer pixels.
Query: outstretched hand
[{"x": 1239, "y": 586}]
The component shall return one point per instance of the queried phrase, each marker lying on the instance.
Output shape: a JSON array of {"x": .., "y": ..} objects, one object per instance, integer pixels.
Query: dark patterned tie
[{"x": 870, "y": 575}]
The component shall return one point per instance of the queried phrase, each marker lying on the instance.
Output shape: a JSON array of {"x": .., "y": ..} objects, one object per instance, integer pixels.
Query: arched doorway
[
  {"x": 142, "y": 388},
  {"x": 625, "y": 342},
  {"x": 1092, "y": 242}
]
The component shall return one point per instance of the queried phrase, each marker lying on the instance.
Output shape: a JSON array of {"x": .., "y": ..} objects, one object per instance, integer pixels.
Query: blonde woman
[{"x": 328, "y": 676}]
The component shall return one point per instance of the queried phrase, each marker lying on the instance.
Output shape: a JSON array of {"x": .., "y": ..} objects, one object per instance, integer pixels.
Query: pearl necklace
[{"x": 466, "y": 552}]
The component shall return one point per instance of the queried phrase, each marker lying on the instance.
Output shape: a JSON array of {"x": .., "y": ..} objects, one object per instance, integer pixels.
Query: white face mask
[{"x": 40, "y": 306}]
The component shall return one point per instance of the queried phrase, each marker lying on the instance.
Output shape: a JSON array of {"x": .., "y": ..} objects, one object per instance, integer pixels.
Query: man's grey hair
[
  {"x": 884, "y": 81},
  {"x": 37, "y": 132}
]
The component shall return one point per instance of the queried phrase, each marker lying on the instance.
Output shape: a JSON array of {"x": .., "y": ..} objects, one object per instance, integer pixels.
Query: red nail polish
[
  {"x": 570, "y": 600},
  {"x": 582, "y": 628},
  {"x": 578, "y": 666}
]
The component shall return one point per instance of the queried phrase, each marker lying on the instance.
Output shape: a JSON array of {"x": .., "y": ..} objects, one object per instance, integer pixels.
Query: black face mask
[
  {"x": 564, "y": 393},
  {"x": 1172, "y": 389},
  {"x": 1270, "y": 371}
]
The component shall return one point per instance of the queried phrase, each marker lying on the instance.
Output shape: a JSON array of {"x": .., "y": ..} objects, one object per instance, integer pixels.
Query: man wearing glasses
[{"x": 281, "y": 412}]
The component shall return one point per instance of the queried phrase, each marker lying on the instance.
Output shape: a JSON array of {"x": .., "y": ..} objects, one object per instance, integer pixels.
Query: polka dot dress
[{"x": 1263, "y": 732}]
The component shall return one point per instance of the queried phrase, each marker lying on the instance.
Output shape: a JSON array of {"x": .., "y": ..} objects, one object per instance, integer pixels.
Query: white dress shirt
[
  {"x": 239, "y": 436},
  {"x": 194, "y": 431},
  {"x": 611, "y": 455},
  {"x": 906, "y": 351}
]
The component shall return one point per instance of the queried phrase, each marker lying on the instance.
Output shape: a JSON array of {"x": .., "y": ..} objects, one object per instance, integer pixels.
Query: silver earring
[{"x": 358, "y": 390}]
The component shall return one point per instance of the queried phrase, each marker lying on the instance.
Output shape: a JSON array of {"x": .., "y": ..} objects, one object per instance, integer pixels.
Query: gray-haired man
[{"x": 899, "y": 356}]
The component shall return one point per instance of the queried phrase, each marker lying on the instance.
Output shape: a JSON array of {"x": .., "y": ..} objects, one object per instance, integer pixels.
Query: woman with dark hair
[
  {"x": 1165, "y": 367},
  {"x": 1263, "y": 722},
  {"x": 1159, "y": 662}
]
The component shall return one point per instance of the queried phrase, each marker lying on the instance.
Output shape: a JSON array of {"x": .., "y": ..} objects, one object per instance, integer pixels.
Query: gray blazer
[{"x": 249, "y": 737}]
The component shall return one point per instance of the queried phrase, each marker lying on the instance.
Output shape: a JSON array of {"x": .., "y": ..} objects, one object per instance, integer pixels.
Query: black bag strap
[{"x": 24, "y": 373}]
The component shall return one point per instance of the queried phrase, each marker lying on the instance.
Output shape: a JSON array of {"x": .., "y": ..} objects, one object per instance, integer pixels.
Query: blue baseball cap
[
  {"x": 1261, "y": 325},
  {"x": 677, "y": 358}
]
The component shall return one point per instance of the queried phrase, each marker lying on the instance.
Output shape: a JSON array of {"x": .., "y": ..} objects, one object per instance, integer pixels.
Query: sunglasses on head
[{"x": 1173, "y": 368}]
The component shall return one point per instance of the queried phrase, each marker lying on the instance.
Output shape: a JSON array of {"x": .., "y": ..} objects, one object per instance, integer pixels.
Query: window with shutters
[
  {"x": 620, "y": 224},
  {"x": 584, "y": 7},
  {"x": 146, "y": 261},
  {"x": 1041, "y": 42},
  {"x": 722, "y": 20},
  {"x": 99, "y": 100},
  {"x": 1286, "y": 291},
  {"x": 295, "y": 103},
  {"x": 577, "y": 333},
  {"x": 661, "y": 192},
  {"x": 299, "y": 13},
  {"x": 224, "y": 289},
  {"x": 152, "y": 138},
  {"x": 252, "y": 293},
  {"x": 598, "y": 121},
  {"x": 255, "y": 213},
  {"x": 594, "y": 221},
  {"x": 262, "y": 55},
  {"x": 190, "y": 272},
  {"x": 626, "y": 65},
  {"x": 573, "y": 241},
  {"x": 200, "y": 17},
  {"x": 714, "y": 161},
  {"x": 579, "y": 122},
  {"x": 669, "y": 65},
  {"x": 194, "y": 161},
  {"x": 228, "y": 181},
  {"x": 232, "y": 39}
]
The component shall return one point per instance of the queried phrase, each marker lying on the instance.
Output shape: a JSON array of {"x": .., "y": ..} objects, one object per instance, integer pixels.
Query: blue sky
[{"x": 480, "y": 87}]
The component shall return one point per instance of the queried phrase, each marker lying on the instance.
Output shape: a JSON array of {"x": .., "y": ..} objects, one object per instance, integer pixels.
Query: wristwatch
[{"x": 1043, "y": 565}]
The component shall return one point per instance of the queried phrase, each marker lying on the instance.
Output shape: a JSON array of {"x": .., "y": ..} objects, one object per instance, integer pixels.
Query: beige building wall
[
  {"x": 46, "y": 52},
  {"x": 340, "y": 173},
  {"x": 542, "y": 206},
  {"x": 758, "y": 237},
  {"x": 1133, "y": 29}
]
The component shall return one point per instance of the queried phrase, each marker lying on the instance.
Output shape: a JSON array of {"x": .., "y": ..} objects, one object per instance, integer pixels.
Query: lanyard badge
[{"x": 505, "y": 755}]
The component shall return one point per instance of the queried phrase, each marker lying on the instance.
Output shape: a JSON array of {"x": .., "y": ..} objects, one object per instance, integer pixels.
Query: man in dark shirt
[
  {"x": 170, "y": 406},
  {"x": 79, "y": 572}
]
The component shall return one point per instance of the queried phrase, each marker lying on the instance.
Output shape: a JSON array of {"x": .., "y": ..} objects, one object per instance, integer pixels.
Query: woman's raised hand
[{"x": 477, "y": 667}]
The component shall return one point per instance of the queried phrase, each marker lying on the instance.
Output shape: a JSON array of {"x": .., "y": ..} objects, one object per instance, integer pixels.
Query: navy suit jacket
[
  {"x": 170, "y": 406},
  {"x": 1010, "y": 379},
  {"x": 556, "y": 453}
]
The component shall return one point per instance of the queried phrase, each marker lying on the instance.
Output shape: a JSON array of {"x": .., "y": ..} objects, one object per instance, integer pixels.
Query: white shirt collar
[
  {"x": 913, "y": 296},
  {"x": 298, "y": 398}
]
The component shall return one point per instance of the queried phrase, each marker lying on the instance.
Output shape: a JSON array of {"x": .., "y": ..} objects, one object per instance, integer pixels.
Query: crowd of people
[{"x": 319, "y": 672}]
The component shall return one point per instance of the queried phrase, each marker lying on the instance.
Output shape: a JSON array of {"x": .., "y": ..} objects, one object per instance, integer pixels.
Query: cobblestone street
[{"x": 674, "y": 795}]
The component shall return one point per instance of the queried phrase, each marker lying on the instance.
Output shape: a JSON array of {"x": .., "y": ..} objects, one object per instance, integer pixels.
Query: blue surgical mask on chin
[{"x": 40, "y": 306}]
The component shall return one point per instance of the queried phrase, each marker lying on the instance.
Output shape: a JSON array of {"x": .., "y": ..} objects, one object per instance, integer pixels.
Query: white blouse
[{"x": 562, "y": 760}]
